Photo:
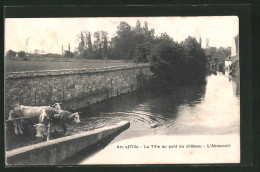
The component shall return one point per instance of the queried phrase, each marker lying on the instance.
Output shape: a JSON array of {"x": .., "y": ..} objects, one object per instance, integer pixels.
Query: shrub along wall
[{"x": 75, "y": 88}]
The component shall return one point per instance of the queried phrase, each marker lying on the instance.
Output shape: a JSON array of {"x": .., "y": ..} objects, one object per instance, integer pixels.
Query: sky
[{"x": 49, "y": 34}]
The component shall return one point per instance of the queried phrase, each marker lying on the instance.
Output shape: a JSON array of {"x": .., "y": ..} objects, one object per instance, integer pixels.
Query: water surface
[{"x": 190, "y": 113}]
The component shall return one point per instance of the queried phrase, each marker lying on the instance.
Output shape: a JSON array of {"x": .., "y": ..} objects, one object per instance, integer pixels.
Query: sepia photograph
[{"x": 122, "y": 90}]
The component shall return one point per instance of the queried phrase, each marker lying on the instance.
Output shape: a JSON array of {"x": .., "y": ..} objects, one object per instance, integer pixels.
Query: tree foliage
[
  {"x": 10, "y": 54},
  {"x": 68, "y": 54},
  {"x": 81, "y": 43},
  {"x": 177, "y": 64},
  {"x": 21, "y": 54},
  {"x": 172, "y": 63}
]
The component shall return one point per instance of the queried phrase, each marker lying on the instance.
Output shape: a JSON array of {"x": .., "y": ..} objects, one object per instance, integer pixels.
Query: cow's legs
[
  {"x": 48, "y": 131},
  {"x": 15, "y": 127},
  {"x": 54, "y": 127},
  {"x": 19, "y": 128},
  {"x": 64, "y": 128}
]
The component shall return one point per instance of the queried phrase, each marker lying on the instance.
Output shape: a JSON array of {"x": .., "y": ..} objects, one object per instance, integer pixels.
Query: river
[{"x": 190, "y": 115}]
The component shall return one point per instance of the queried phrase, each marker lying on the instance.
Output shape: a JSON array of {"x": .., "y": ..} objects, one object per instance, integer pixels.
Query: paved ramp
[{"x": 54, "y": 151}]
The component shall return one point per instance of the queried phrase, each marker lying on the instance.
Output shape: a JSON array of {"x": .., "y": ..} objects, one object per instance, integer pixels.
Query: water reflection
[
  {"x": 211, "y": 109},
  {"x": 202, "y": 109}
]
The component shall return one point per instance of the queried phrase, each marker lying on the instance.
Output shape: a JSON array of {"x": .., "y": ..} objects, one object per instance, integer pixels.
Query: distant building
[
  {"x": 235, "y": 46},
  {"x": 207, "y": 43},
  {"x": 228, "y": 62},
  {"x": 234, "y": 57}
]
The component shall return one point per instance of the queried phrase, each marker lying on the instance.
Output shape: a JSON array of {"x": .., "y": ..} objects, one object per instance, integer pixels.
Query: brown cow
[{"x": 64, "y": 119}]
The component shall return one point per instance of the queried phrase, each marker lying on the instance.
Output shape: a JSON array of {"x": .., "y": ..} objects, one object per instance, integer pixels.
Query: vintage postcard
[{"x": 122, "y": 90}]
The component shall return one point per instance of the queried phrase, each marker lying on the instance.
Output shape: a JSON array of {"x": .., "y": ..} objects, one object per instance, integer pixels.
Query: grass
[{"x": 56, "y": 64}]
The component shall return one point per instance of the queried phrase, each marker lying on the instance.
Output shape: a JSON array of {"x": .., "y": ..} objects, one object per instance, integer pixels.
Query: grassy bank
[{"x": 56, "y": 64}]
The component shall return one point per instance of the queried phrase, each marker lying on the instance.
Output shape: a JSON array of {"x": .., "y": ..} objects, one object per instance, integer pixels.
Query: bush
[
  {"x": 68, "y": 54},
  {"x": 25, "y": 59},
  {"x": 10, "y": 54},
  {"x": 21, "y": 54}
]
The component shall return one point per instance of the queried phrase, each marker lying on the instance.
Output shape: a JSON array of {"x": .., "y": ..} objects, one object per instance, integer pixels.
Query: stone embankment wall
[{"x": 75, "y": 88}]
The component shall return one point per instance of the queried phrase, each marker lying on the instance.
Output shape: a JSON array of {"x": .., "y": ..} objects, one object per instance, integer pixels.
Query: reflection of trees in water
[
  {"x": 117, "y": 104},
  {"x": 169, "y": 103},
  {"x": 164, "y": 103}
]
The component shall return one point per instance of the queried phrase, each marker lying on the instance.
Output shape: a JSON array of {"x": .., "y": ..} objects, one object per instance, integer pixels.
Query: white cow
[{"x": 33, "y": 113}]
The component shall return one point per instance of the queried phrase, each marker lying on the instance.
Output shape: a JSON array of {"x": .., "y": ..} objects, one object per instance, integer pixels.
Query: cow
[
  {"x": 44, "y": 125},
  {"x": 32, "y": 114},
  {"x": 16, "y": 122},
  {"x": 64, "y": 119}
]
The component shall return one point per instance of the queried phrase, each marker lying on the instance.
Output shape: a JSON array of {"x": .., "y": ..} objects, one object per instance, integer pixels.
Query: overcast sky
[{"x": 49, "y": 34}]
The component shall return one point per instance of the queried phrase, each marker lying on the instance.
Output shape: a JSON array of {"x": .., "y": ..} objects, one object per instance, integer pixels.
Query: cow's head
[
  {"x": 76, "y": 117},
  {"x": 41, "y": 130},
  {"x": 57, "y": 106}
]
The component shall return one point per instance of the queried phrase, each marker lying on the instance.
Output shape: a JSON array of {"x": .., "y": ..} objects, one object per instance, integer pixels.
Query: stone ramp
[{"x": 54, "y": 151}]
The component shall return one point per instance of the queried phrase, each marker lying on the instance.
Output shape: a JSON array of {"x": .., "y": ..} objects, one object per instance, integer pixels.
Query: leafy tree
[
  {"x": 69, "y": 47},
  {"x": 177, "y": 64},
  {"x": 123, "y": 41},
  {"x": 144, "y": 40},
  {"x": 81, "y": 43},
  {"x": 89, "y": 42},
  {"x": 68, "y": 54},
  {"x": 167, "y": 62},
  {"x": 97, "y": 45},
  {"x": 21, "y": 54},
  {"x": 36, "y": 52},
  {"x": 10, "y": 54},
  {"x": 97, "y": 41},
  {"x": 142, "y": 53},
  {"x": 104, "y": 43},
  {"x": 196, "y": 61},
  {"x": 138, "y": 29}
]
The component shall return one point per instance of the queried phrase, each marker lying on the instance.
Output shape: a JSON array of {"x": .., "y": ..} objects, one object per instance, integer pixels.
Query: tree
[
  {"x": 123, "y": 42},
  {"x": 42, "y": 52},
  {"x": 138, "y": 29},
  {"x": 167, "y": 62},
  {"x": 89, "y": 42},
  {"x": 68, "y": 54},
  {"x": 36, "y": 52},
  {"x": 104, "y": 44},
  {"x": 21, "y": 54},
  {"x": 142, "y": 52},
  {"x": 97, "y": 41},
  {"x": 196, "y": 61},
  {"x": 145, "y": 27},
  {"x": 81, "y": 43},
  {"x": 177, "y": 64},
  {"x": 69, "y": 47},
  {"x": 10, "y": 54}
]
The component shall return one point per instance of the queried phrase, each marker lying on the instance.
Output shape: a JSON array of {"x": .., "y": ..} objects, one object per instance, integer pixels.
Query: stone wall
[{"x": 75, "y": 88}]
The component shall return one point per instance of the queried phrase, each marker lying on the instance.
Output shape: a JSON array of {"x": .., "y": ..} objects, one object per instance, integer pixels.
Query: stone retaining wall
[{"x": 75, "y": 88}]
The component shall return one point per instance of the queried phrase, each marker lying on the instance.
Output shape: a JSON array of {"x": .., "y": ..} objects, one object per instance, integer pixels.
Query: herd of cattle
[{"x": 44, "y": 118}]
